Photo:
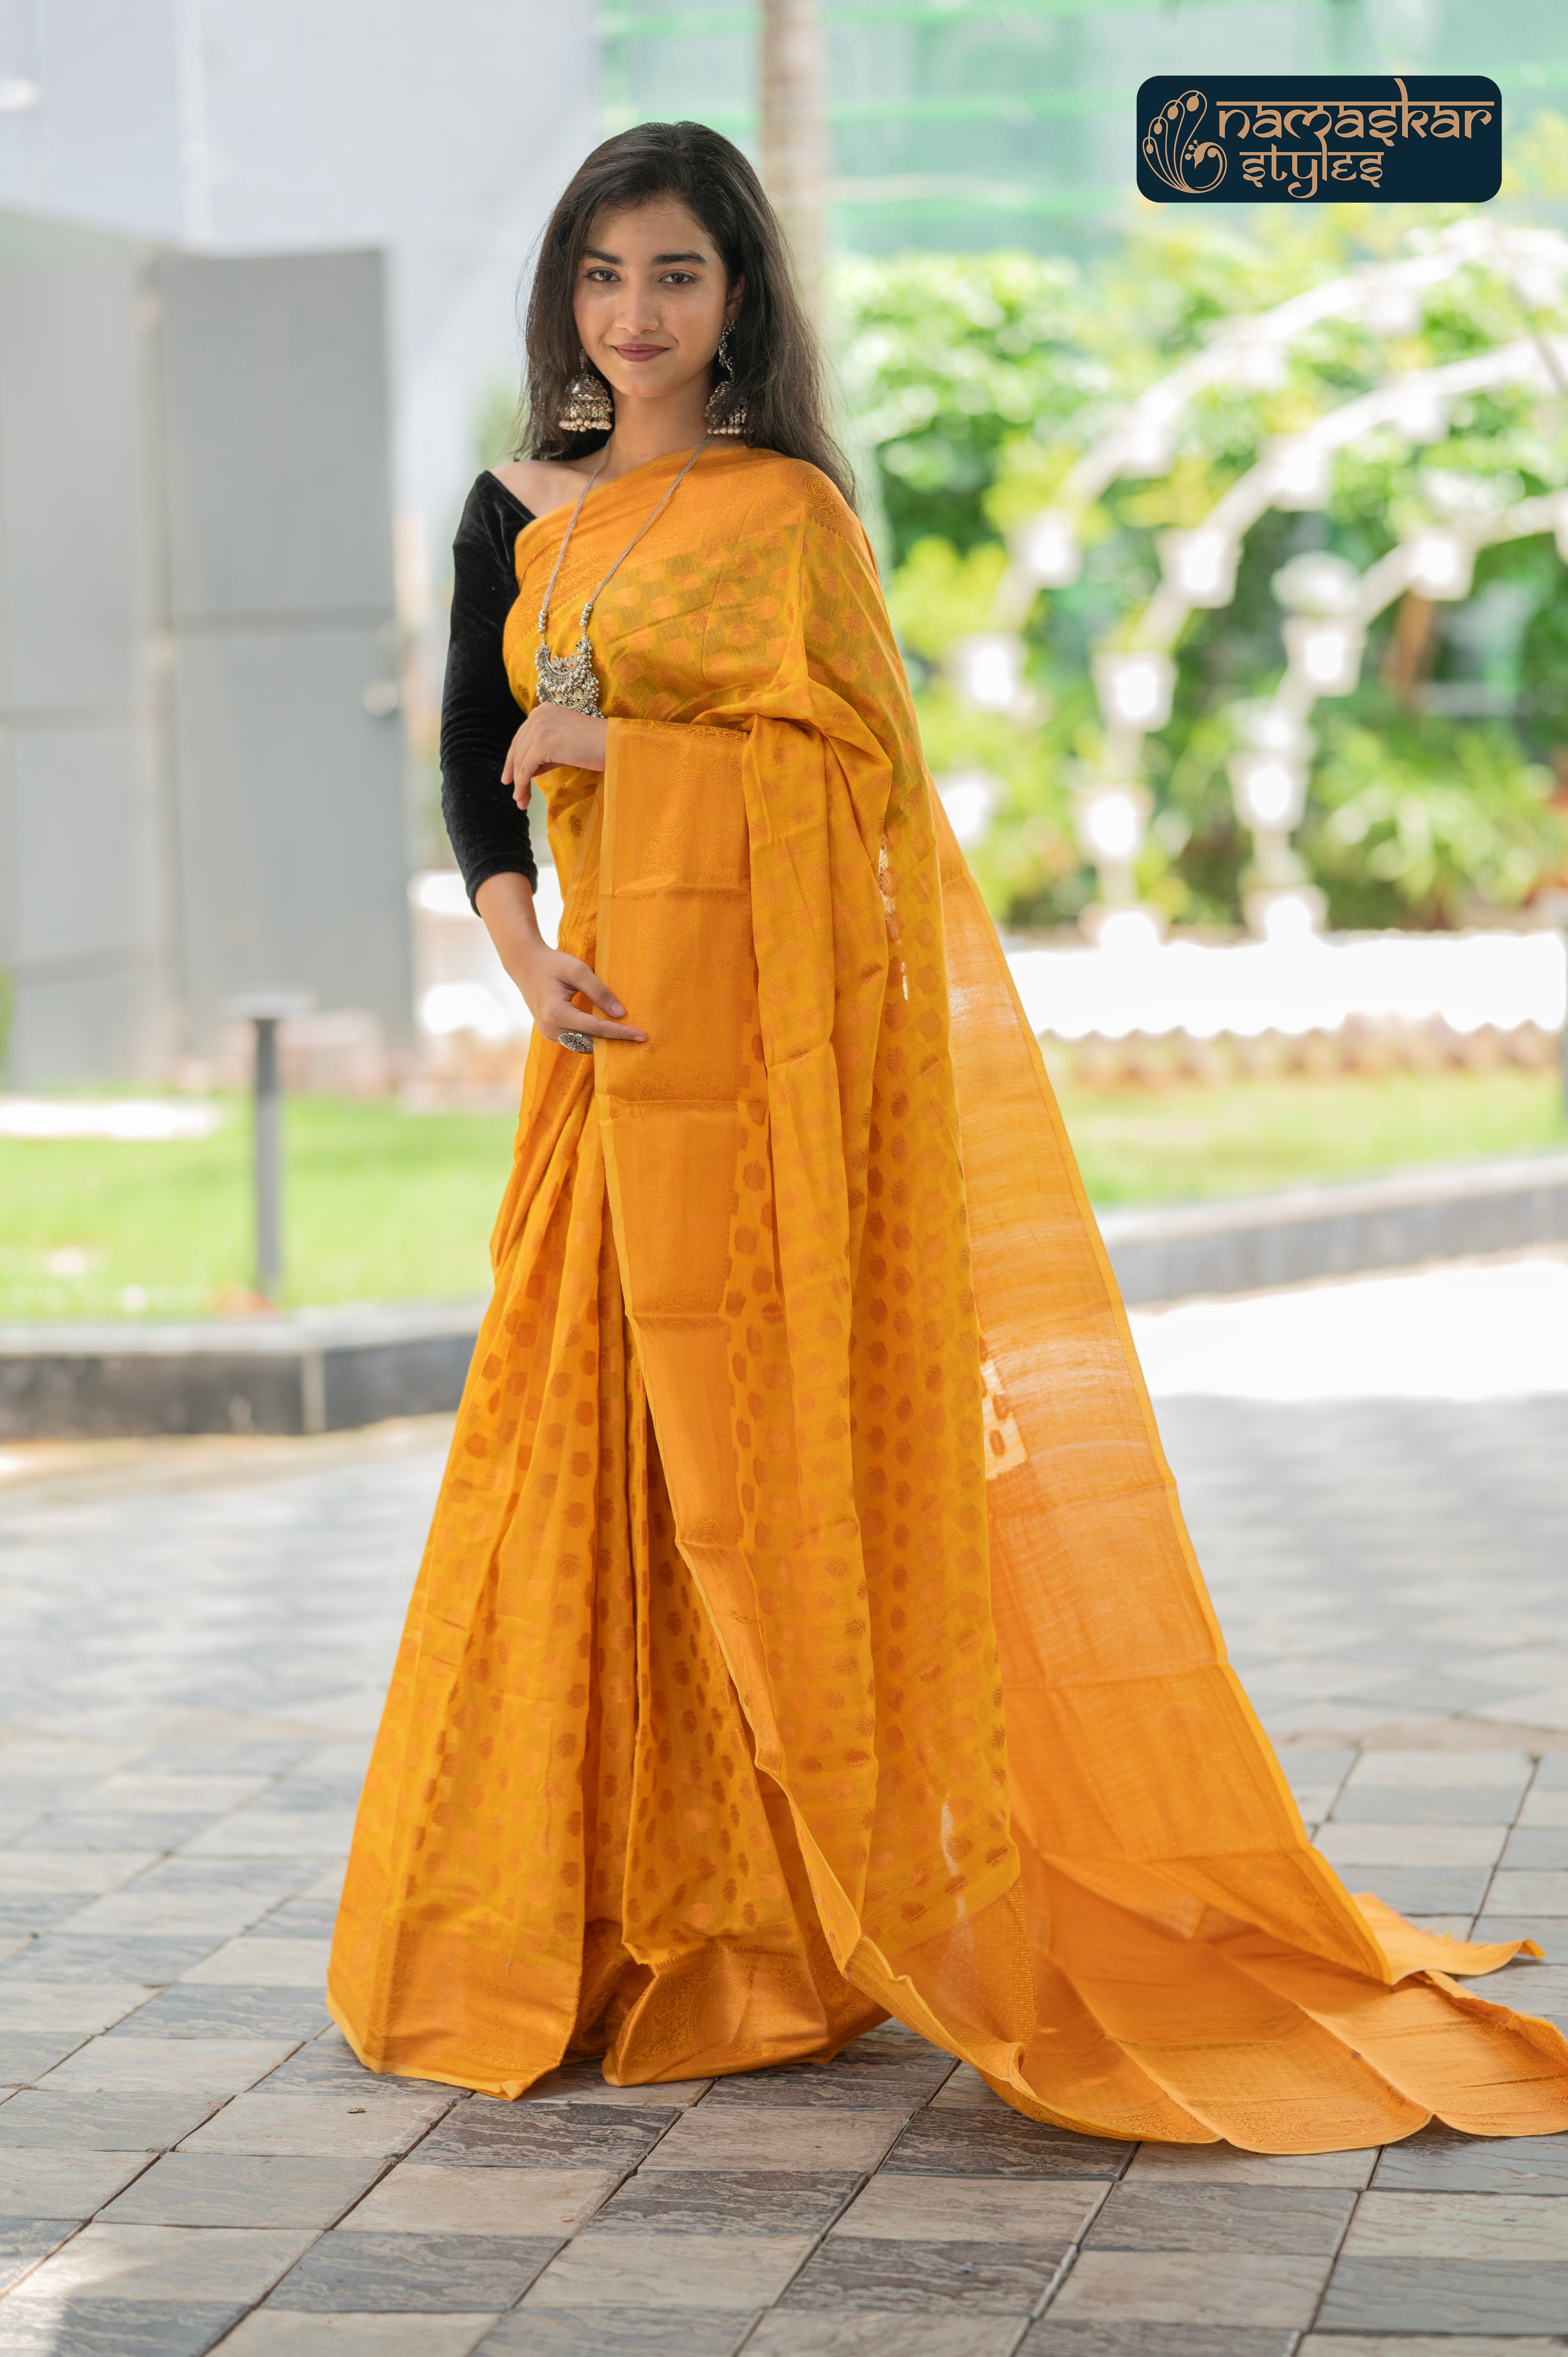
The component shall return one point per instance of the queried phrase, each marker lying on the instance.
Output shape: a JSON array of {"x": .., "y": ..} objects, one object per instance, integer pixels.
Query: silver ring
[{"x": 578, "y": 1042}]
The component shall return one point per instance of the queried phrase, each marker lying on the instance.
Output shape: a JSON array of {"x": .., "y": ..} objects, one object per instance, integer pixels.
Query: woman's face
[{"x": 651, "y": 300}]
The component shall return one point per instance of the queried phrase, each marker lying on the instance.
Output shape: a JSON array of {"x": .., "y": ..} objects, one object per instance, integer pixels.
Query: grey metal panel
[
  {"x": 73, "y": 492},
  {"x": 275, "y": 419},
  {"x": 91, "y": 1020},
  {"x": 291, "y": 823},
  {"x": 85, "y": 841},
  {"x": 85, "y": 932}
]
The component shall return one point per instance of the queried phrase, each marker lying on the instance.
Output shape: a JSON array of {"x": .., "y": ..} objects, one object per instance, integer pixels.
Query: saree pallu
[{"x": 808, "y": 1630}]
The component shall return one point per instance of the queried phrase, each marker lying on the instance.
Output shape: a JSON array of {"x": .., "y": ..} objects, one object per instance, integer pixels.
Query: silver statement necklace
[{"x": 571, "y": 680}]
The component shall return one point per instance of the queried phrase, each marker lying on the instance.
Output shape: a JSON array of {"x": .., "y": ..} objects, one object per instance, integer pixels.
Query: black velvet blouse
[{"x": 480, "y": 715}]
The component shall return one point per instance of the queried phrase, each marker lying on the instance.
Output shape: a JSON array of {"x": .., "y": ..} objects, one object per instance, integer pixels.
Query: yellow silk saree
[{"x": 808, "y": 1630}]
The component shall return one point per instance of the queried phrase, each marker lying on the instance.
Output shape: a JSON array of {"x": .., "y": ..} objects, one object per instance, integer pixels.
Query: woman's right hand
[{"x": 549, "y": 979}]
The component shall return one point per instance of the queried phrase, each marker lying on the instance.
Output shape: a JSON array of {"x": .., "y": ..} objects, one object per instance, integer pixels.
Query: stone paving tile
[
  {"x": 1542, "y": 1807},
  {"x": 25, "y": 2241},
  {"x": 308, "y": 1834},
  {"x": 64, "y": 2184},
  {"x": 484, "y": 2134},
  {"x": 1504, "y": 1772},
  {"x": 50, "y": 2009},
  {"x": 159, "y": 2262},
  {"x": 159, "y": 1782},
  {"x": 1222, "y": 2164},
  {"x": 301, "y": 2123},
  {"x": 977, "y": 2208},
  {"x": 999, "y": 2143},
  {"x": 299, "y": 1919},
  {"x": 733, "y": 2137},
  {"x": 186, "y": 2012},
  {"x": 1444, "y": 2296},
  {"x": 923, "y": 2279},
  {"x": 1242, "y": 2287},
  {"x": 180, "y": 1897},
  {"x": 1528, "y": 1893},
  {"x": 330, "y": 2062},
  {"x": 1447, "y": 1927},
  {"x": 26, "y": 2055},
  {"x": 1311, "y": 1766},
  {"x": 37, "y": 2326},
  {"x": 74, "y": 1871},
  {"x": 29, "y": 1914},
  {"x": 189, "y": 2188},
  {"x": 147, "y": 2122},
  {"x": 1527, "y": 1986},
  {"x": 966, "y": 2091},
  {"x": 1534, "y": 1846},
  {"x": 877, "y": 2077},
  {"x": 1410, "y": 2344},
  {"x": 619, "y": 2332},
  {"x": 263, "y": 1964},
  {"x": 790, "y": 2332},
  {"x": 1422, "y": 1891},
  {"x": 99, "y": 1829},
  {"x": 271, "y": 2332},
  {"x": 1441, "y": 2160},
  {"x": 1548, "y": 1931},
  {"x": 61, "y": 1957},
  {"x": 692, "y": 2271},
  {"x": 727, "y": 2201},
  {"x": 151, "y": 2066},
  {"x": 1370, "y": 1844},
  {"x": 1300, "y": 2221},
  {"x": 585, "y": 2083},
  {"x": 1459, "y": 2226},
  {"x": 1051, "y": 2338},
  {"x": 416, "y": 2199},
  {"x": 424, "y": 2272},
  {"x": 1439, "y": 1805}
]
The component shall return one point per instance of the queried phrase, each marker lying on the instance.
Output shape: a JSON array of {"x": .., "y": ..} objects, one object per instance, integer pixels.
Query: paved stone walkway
[{"x": 193, "y": 1642}]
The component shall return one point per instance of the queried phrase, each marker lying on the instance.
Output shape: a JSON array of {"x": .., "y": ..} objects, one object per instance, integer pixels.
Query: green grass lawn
[
  {"x": 386, "y": 1205},
  {"x": 379, "y": 1204},
  {"x": 1173, "y": 1146}
]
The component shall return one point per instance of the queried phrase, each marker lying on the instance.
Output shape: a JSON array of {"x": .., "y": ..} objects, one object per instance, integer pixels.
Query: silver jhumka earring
[
  {"x": 725, "y": 414},
  {"x": 589, "y": 409}
]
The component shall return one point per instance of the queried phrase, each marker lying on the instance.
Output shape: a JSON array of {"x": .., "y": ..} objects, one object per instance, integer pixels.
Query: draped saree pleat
[{"x": 808, "y": 1629}]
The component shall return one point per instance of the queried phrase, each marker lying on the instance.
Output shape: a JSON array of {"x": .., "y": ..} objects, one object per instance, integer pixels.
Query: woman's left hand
[{"x": 553, "y": 737}]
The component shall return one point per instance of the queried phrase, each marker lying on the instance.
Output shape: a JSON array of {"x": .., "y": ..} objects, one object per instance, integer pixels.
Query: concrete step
[
  {"x": 1244, "y": 1244},
  {"x": 304, "y": 1371}
]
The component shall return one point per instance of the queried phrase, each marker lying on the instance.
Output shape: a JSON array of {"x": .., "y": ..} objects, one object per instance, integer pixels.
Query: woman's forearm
[{"x": 505, "y": 904}]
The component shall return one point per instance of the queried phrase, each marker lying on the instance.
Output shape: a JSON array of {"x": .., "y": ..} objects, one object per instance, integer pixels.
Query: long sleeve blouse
[{"x": 480, "y": 715}]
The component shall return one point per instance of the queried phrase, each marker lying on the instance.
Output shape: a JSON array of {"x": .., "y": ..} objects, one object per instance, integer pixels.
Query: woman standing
[{"x": 808, "y": 1630}]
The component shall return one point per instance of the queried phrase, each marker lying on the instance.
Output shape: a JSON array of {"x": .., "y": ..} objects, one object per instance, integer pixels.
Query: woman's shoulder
[
  {"x": 537, "y": 485},
  {"x": 492, "y": 512}
]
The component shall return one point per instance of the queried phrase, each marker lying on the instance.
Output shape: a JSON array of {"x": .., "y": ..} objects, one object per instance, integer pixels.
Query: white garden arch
[{"x": 1332, "y": 606}]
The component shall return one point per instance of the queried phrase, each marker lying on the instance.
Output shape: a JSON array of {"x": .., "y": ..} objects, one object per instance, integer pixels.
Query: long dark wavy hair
[{"x": 774, "y": 350}]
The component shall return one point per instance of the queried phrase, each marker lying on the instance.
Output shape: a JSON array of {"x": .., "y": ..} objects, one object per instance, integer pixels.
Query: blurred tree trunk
[
  {"x": 1411, "y": 646},
  {"x": 794, "y": 142}
]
